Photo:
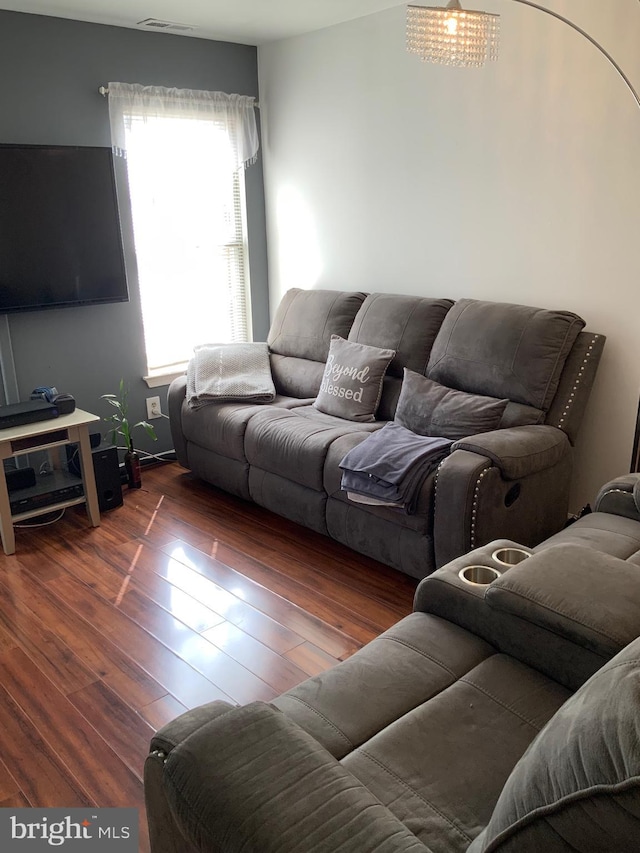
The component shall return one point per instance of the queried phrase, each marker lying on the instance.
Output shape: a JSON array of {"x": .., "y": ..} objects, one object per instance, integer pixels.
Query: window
[{"x": 187, "y": 190}]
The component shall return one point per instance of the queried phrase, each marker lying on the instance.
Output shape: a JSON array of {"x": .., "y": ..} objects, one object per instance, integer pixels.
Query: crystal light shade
[{"x": 452, "y": 36}]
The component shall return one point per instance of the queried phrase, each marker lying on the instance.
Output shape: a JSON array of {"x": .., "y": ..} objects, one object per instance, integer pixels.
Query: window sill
[{"x": 158, "y": 378}]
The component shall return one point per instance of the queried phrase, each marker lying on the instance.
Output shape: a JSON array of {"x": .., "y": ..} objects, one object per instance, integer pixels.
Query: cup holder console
[
  {"x": 492, "y": 564},
  {"x": 510, "y": 556},
  {"x": 479, "y": 575}
]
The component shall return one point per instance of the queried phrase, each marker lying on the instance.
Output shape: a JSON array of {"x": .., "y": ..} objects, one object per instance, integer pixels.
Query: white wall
[{"x": 517, "y": 182}]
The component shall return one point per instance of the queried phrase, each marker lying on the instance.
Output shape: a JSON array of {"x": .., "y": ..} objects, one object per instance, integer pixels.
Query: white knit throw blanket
[{"x": 239, "y": 371}]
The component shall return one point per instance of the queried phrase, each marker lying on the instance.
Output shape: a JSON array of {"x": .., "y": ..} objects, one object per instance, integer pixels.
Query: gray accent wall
[{"x": 51, "y": 70}]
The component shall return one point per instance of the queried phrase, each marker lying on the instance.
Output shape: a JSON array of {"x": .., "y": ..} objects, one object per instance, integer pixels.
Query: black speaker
[
  {"x": 108, "y": 483},
  {"x": 107, "y": 471}
]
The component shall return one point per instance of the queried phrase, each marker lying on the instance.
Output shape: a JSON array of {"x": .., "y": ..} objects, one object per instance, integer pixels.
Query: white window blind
[{"x": 187, "y": 206}]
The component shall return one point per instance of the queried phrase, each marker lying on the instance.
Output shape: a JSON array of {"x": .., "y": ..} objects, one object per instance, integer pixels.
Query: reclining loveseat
[
  {"x": 508, "y": 382},
  {"x": 501, "y": 716}
]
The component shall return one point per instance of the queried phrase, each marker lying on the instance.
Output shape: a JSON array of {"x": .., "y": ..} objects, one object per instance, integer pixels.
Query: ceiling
[{"x": 244, "y": 21}]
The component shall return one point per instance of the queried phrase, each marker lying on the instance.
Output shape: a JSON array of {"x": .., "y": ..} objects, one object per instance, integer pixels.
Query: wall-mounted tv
[{"x": 60, "y": 240}]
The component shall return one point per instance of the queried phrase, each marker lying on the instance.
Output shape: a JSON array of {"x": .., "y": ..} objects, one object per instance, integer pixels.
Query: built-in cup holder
[
  {"x": 510, "y": 556},
  {"x": 479, "y": 575}
]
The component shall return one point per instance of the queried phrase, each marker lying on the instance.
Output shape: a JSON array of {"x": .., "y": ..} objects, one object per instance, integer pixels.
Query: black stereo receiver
[{"x": 28, "y": 503}]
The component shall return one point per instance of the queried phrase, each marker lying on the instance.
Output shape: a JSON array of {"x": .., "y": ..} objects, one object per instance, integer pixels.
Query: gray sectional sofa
[
  {"x": 501, "y": 716},
  {"x": 524, "y": 375}
]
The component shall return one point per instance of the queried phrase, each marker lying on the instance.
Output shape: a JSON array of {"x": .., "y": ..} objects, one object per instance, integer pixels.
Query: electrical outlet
[{"x": 153, "y": 408}]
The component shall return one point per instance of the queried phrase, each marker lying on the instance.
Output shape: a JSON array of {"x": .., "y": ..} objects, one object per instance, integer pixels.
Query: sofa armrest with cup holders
[{"x": 565, "y": 610}]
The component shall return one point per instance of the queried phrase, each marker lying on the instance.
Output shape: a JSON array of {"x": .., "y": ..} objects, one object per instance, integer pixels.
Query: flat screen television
[{"x": 60, "y": 240}]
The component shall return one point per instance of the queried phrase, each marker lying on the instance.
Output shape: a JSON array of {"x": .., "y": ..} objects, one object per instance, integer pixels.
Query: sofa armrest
[
  {"x": 165, "y": 836},
  {"x": 541, "y": 610},
  {"x": 519, "y": 451},
  {"x": 252, "y": 780},
  {"x": 176, "y": 396},
  {"x": 620, "y": 497},
  {"x": 511, "y": 482},
  {"x": 556, "y": 590}
]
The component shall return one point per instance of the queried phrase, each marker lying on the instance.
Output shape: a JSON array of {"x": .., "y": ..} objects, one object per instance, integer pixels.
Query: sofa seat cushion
[
  {"x": 221, "y": 427},
  {"x": 416, "y": 659},
  {"x": 334, "y": 422},
  {"x": 440, "y": 767},
  {"x": 611, "y": 534},
  {"x": 294, "y": 443}
]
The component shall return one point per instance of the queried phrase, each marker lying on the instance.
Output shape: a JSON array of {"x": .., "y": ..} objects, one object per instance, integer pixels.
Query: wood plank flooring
[{"x": 181, "y": 596}]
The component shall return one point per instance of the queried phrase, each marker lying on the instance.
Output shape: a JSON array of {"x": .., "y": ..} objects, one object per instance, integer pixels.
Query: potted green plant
[{"x": 122, "y": 427}]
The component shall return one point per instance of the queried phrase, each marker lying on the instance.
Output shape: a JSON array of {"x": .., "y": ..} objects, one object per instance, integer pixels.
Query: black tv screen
[{"x": 60, "y": 240}]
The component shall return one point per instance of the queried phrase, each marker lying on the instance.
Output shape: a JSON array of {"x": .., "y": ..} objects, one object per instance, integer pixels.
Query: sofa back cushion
[
  {"x": 305, "y": 320},
  {"x": 504, "y": 350},
  {"x": 407, "y": 324},
  {"x": 296, "y": 377},
  {"x": 300, "y": 335},
  {"x": 577, "y": 787}
]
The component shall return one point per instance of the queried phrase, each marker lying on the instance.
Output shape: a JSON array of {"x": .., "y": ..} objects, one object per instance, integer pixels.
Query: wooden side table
[{"x": 46, "y": 435}]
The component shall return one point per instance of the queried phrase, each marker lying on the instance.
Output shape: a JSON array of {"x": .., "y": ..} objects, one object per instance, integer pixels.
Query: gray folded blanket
[
  {"x": 237, "y": 371},
  {"x": 390, "y": 465}
]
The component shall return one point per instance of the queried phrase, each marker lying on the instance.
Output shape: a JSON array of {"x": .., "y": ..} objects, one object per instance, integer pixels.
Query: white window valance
[{"x": 132, "y": 102}]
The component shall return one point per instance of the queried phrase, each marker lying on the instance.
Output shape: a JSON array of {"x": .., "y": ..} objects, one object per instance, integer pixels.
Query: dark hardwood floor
[{"x": 181, "y": 596}]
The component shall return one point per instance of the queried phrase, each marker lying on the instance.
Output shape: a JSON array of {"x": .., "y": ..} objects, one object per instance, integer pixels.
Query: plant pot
[{"x": 132, "y": 466}]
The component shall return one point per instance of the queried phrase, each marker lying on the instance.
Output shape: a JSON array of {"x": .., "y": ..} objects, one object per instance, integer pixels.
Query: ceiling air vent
[{"x": 155, "y": 24}]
